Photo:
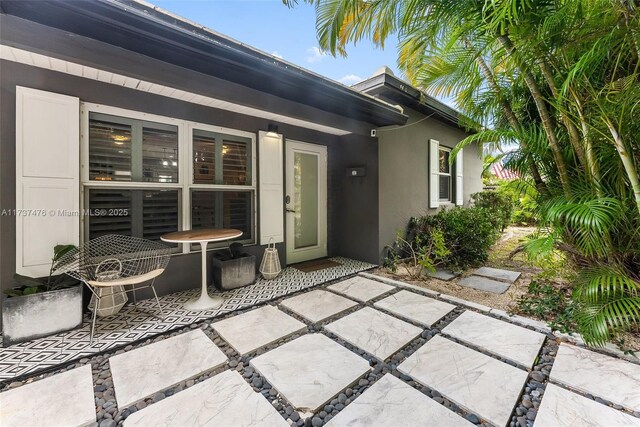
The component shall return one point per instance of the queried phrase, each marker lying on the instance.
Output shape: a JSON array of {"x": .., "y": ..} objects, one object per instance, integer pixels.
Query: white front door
[{"x": 306, "y": 201}]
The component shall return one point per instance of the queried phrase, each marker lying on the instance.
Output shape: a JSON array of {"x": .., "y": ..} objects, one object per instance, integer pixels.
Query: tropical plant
[
  {"x": 28, "y": 285},
  {"x": 549, "y": 302},
  {"x": 467, "y": 233},
  {"x": 559, "y": 78},
  {"x": 422, "y": 253},
  {"x": 524, "y": 200}
]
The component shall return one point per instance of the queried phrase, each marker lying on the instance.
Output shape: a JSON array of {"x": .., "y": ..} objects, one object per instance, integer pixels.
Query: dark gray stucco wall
[
  {"x": 404, "y": 171},
  {"x": 356, "y": 199},
  {"x": 348, "y": 235}
]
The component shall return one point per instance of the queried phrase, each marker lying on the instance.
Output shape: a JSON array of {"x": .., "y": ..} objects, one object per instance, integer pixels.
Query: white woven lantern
[
  {"x": 112, "y": 298},
  {"x": 270, "y": 265}
]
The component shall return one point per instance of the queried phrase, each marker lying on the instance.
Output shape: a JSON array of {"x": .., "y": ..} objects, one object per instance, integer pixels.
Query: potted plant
[
  {"x": 37, "y": 307},
  {"x": 233, "y": 268}
]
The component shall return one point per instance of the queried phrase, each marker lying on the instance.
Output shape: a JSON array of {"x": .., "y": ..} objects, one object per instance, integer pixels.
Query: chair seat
[{"x": 132, "y": 280}]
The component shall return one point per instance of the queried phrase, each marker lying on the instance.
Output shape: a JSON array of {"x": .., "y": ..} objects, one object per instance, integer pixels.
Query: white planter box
[{"x": 34, "y": 316}]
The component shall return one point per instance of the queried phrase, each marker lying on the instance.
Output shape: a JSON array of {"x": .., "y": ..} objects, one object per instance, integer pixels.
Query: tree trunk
[
  {"x": 592, "y": 163},
  {"x": 627, "y": 161},
  {"x": 511, "y": 117},
  {"x": 574, "y": 135},
  {"x": 547, "y": 121}
]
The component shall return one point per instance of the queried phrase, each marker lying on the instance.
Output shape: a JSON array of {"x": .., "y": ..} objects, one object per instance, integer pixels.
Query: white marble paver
[
  {"x": 64, "y": 399},
  {"x": 249, "y": 331},
  {"x": 503, "y": 339},
  {"x": 360, "y": 288},
  {"x": 318, "y": 305},
  {"x": 497, "y": 274},
  {"x": 484, "y": 284},
  {"x": 417, "y": 308},
  {"x": 309, "y": 371},
  {"x": 606, "y": 377},
  {"x": 375, "y": 332},
  {"x": 143, "y": 371},
  {"x": 390, "y": 403},
  {"x": 472, "y": 380},
  {"x": 563, "y": 408},
  {"x": 223, "y": 400}
]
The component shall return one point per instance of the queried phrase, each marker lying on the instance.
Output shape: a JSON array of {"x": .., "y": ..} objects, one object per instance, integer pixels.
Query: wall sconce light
[{"x": 272, "y": 130}]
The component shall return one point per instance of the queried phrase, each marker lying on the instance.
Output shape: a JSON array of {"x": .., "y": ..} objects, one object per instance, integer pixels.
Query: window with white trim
[
  {"x": 146, "y": 175},
  {"x": 444, "y": 173}
]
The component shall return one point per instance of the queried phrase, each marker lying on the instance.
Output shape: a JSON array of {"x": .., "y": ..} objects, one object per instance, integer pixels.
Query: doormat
[{"x": 315, "y": 265}]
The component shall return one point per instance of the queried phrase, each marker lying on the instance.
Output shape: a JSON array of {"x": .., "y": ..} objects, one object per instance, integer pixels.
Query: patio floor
[
  {"x": 391, "y": 366},
  {"x": 131, "y": 325}
]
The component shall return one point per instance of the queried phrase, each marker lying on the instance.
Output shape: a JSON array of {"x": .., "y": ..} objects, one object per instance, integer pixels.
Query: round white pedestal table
[{"x": 203, "y": 237}]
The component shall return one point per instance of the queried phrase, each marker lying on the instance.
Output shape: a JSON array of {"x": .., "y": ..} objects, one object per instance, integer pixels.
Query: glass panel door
[
  {"x": 305, "y": 182},
  {"x": 306, "y": 201}
]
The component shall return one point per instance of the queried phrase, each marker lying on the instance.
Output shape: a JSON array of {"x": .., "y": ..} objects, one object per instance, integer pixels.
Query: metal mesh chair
[{"x": 115, "y": 261}]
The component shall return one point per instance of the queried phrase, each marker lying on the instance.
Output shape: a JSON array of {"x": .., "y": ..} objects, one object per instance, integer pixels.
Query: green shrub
[
  {"x": 524, "y": 200},
  {"x": 500, "y": 205},
  {"x": 550, "y": 303},
  {"x": 468, "y": 234},
  {"x": 418, "y": 255}
]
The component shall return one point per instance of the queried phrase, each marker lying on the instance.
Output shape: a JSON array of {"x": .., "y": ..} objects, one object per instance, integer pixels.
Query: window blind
[{"x": 109, "y": 151}]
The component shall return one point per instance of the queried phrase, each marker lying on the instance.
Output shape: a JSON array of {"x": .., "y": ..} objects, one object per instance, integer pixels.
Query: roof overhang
[
  {"x": 144, "y": 29},
  {"x": 397, "y": 91}
]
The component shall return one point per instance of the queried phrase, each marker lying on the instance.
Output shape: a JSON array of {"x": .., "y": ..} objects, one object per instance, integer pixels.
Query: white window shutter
[
  {"x": 459, "y": 184},
  {"x": 434, "y": 178},
  {"x": 271, "y": 187},
  {"x": 47, "y": 177}
]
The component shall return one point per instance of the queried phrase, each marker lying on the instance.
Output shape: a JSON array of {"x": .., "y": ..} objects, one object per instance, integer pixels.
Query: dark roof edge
[
  {"x": 415, "y": 97},
  {"x": 149, "y": 10},
  {"x": 247, "y": 65}
]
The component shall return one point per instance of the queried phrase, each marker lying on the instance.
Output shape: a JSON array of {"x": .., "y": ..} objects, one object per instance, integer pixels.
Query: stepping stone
[
  {"x": 375, "y": 332},
  {"x": 484, "y": 284},
  {"x": 445, "y": 275},
  {"x": 562, "y": 408},
  {"x": 309, "y": 371},
  {"x": 417, "y": 308},
  {"x": 154, "y": 367},
  {"x": 249, "y": 331},
  {"x": 318, "y": 305},
  {"x": 391, "y": 402},
  {"x": 470, "y": 379},
  {"x": 223, "y": 400},
  {"x": 64, "y": 399},
  {"x": 361, "y": 288},
  {"x": 503, "y": 339},
  {"x": 606, "y": 377},
  {"x": 497, "y": 274}
]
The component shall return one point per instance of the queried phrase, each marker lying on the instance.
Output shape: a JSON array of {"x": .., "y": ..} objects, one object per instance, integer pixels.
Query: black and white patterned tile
[{"x": 131, "y": 324}]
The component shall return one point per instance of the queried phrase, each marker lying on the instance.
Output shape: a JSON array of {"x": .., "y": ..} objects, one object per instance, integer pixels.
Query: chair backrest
[{"x": 114, "y": 256}]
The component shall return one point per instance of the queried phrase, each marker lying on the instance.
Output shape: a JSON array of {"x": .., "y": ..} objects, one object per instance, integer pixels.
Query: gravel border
[{"x": 109, "y": 415}]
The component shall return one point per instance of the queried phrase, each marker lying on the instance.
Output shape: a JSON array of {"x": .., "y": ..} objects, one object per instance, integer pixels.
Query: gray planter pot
[
  {"x": 234, "y": 273},
  {"x": 34, "y": 316}
]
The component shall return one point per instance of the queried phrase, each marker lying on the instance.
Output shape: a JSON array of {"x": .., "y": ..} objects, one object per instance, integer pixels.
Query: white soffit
[{"x": 13, "y": 54}]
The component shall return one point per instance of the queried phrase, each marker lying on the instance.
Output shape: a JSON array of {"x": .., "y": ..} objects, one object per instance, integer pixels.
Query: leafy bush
[
  {"x": 417, "y": 256},
  {"x": 550, "y": 303},
  {"x": 524, "y": 201},
  {"x": 468, "y": 234},
  {"x": 500, "y": 205}
]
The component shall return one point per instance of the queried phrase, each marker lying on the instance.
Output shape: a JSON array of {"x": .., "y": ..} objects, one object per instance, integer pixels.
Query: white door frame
[{"x": 320, "y": 250}]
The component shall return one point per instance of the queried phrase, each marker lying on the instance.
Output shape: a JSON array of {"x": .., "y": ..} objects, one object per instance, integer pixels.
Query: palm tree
[{"x": 562, "y": 79}]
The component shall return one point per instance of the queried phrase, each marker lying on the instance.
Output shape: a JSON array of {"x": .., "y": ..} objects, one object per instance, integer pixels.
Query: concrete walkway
[{"x": 357, "y": 352}]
